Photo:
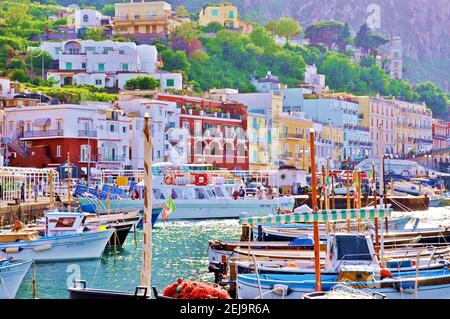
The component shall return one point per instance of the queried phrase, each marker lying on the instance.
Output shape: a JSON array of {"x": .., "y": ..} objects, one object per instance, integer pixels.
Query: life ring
[{"x": 168, "y": 179}]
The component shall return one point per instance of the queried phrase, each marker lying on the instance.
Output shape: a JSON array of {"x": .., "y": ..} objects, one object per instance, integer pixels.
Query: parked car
[{"x": 41, "y": 97}]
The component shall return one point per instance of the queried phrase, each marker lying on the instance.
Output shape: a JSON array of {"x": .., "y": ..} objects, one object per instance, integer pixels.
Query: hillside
[{"x": 424, "y": 26}]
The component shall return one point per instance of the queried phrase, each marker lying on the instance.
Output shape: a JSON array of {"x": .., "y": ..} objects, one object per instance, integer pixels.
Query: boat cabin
[
  {"x": 65, "y": 223},
  {"x": 345, "y": 250}
]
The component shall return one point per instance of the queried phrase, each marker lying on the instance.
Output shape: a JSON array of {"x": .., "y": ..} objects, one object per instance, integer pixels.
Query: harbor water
[{"x": 179, "y": 251}]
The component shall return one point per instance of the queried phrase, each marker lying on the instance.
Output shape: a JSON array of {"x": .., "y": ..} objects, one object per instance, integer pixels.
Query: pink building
[{"x": 382, "y": 124}]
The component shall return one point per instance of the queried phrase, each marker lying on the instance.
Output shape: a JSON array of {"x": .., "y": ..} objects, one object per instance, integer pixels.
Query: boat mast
[
  {"x": 68, "y": 181},
  {"x": 314, "y": 207},
  {"x": 146, "y": 272}
]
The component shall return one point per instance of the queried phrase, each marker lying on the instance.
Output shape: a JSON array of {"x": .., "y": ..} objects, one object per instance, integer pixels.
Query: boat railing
[{"x": 93, "y": 200}]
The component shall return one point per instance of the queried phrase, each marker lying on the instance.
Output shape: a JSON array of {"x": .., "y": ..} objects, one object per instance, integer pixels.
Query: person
[
  {"x": 17, "y": 224},
  {"x": 259, "y": 193},
  {"x": 270, "y": 193},
  {"x": 36, "y": 190},
  {"x": 22, "y": 192},
  {"x": 235, "y": 194},
  {"x": 241, "y": 193},
  {"x": 136, "y": 193},
  {"x": 173, "y": 194}
]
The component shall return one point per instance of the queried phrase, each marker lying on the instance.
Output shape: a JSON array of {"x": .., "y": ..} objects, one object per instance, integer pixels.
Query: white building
[
  {"x": 88, "y": 18},
  {"x": 317, "y": 81},
  {"x": 94, "y": 134},
  {"x": 169, "y": 141},
  {"x": 106, "y": 63},
  {"x": 5, "y": 88}
]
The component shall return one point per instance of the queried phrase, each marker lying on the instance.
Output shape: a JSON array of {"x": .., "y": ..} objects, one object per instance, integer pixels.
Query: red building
[
  {"x": 217, "y": 131},
  {"x": 441, "y": 133}
]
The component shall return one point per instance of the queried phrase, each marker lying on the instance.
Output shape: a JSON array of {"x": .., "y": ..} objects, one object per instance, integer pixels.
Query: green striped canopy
[{"x": 321, "y": 216}]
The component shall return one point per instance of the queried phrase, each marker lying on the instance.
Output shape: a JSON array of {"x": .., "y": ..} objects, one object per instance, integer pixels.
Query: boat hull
[
  {"x": 88, "y": 245},
  {"x": 203, "y": 209},
  {"x": 248, "y": 288},
  {"x": 11, "y": 277}
]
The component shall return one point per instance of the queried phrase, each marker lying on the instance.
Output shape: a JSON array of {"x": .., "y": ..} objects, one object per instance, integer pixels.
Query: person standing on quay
[
  {"x": 36, "y": 190},
  {"x": 22, "y": 193}
]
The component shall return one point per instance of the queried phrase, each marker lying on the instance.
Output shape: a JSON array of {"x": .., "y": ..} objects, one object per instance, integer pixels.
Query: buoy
[
  {"x": 13, "y": 250},
  {"x": 42, "y": 247},
  {"x": 385, "y": 273}
]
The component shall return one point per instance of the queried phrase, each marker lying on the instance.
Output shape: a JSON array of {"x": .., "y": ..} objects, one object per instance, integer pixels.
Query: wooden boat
[
  {"x": 66, "y": 239},
  {"x": 11, "y": 277},
  {"x": 351, "y": 260},
  {"x": 91, "y": 293}
]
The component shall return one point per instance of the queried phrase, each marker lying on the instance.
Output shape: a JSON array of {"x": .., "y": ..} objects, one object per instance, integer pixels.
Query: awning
[
  {"x": 320, "y": 216},
  {"x": 42, "y": 122}
]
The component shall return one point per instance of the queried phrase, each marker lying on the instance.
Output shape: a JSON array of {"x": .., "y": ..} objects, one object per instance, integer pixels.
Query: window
[
  {"x": 214, "y": 12},
  {"x": 170, "y": 82},
  {"x": 85, "y": 18},
  {"x": 124, "y": 129},
  {"x": 59, "y": 125},
  {"x": 65, "y": 222},
  {"x": 101, "y": 67},
  {"x": 124, "y": 66},
  {"x": 231, "y": 14},
  {"x": 255, "y": 123},
  {"x": 186, "y": 125},
  {"x": 68, "y": 66},
  {"x": 85, "y": 152},
  {"x": 98, "y": 82},
  {"x": 83, "y": 66},
  {"x": 28, "y": 127},
  {"x": 58, "y": 51},
  {"x": 58, "y": 150}
]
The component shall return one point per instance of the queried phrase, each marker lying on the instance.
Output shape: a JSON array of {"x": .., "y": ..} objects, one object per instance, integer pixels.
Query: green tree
[
  {"x": 182, "y": 12},
  {"x": 287, "y": 28},
  {"x": 175, "y": 60},
  {"x": 213, "y": 27},
  {"x": 109, "y": 10},
  {"x": 332, "y": 34},
  {"x": 367, "y": 41},
  {"x": 142, "y": 83},
  {"x": 433, "y": 96},
  {"x": 95, "y": 34},
  {"x": 271, "y": 27}
]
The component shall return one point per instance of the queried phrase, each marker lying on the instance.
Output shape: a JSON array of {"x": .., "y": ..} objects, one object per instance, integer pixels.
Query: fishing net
[
  {"x": 343, "y": 291},
  {"x": 186, "y": 289}
]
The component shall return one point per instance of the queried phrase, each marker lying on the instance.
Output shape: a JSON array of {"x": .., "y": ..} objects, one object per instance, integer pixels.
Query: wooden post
[
  {"x": 33, "y": 283},
  {"x": 358, "y": 197},
  {"x": 68, "y": 180},
  {"x": 146, "y": 272},
  {"x": 52, "y": 199},
  {"x": 314, "y": 207},
  {"x": 374, "y": 183},
  {"x": 108, "y": 201},
  {"x": 332, "y": 192},
  {"x": 326, "y": 181}
]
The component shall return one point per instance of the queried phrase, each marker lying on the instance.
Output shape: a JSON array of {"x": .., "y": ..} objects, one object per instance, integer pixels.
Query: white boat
[
  {"x": 196, "y": 200},
  {"x": 66, "y": 239},
  {"x": 11, "y": 276}
]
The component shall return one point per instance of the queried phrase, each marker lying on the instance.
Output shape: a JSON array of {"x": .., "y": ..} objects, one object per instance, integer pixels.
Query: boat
[
  {"x": 66, "y": 238},
  {"x": 11, "y": 276},
  {"x": 194, "y": 196},
  {"x": 350, "y": 260}
]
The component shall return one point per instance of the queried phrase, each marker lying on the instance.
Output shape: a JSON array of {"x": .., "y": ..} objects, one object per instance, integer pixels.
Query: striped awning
[
  {"x": 320, "y": 216},
  {"x": 42, "y": 122}
]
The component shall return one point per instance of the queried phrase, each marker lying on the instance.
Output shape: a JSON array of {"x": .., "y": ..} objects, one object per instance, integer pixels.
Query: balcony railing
[
  {"x": 111, "y": 158},
  {"x": 84, "y": 133},
  {"x": 48, "y": 133}
]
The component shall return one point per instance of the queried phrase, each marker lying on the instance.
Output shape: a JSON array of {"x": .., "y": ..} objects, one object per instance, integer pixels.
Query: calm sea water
[{"x": 179, "y": 251}]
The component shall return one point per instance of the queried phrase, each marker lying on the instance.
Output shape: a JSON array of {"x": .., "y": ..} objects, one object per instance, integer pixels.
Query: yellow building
[
  {"x": 145, "y": 18},
  {"x": 293, "y": 139},
  {"x": 329, "y": 143},
  {"x": 258, "y": 142},
  {"x": 224, "y": 13}
]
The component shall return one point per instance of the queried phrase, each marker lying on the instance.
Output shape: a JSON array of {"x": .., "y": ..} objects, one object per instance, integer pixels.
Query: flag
[{"x": 168, "y": 208}]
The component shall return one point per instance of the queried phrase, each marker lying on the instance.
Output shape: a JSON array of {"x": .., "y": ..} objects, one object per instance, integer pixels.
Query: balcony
[
  {"x": 49, "y": 133},
  {"x": 84, "y": 133},
  {"x": 111, "y": 158},
  {"x": 294, "y": 136}
]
